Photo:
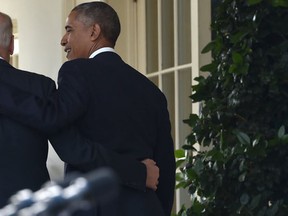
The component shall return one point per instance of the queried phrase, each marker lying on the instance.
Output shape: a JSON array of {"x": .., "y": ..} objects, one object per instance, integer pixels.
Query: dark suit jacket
[
  {"x": 23, "y": 150},
  {"x": 30, "y": 153},
  {"x": 113, "y": 104}
]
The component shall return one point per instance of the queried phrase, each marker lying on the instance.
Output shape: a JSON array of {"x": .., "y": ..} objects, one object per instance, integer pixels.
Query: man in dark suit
[
  {"x": 24, "y": 149},
  {"x": 111, "y": 102}
]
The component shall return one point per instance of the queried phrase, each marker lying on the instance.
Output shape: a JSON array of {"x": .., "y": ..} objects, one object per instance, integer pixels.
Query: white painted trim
[
  {"x": 141, "y": 39},
  {"x": 159, "y": 20},
  {"x": 67, "y": 6}
]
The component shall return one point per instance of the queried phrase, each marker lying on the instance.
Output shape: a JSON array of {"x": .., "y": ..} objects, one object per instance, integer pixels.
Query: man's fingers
[
  {"x": 149, "y": 161},
  {"x": 152, "y": 173}
]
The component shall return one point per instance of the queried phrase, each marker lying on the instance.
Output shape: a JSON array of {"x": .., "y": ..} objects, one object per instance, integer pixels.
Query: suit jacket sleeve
[
  {"x": 164, "y": 157},
  {"x": 87, "y": 155},
  {"x": 33, "y": 101},
  {"x": 47, "y": 113}
]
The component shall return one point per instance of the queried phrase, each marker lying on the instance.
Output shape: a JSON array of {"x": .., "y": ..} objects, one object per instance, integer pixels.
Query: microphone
[{"x": 82, "y": 192}]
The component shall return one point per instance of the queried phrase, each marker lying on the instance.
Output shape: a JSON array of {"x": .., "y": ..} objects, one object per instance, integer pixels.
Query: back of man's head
[
  {"x": 5, "y": 30},
  {"x": 102, "y": 14}
]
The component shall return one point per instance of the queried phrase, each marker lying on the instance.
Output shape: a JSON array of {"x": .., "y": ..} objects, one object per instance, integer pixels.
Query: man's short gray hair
[
  {"x": 102, "y": 14},
  {"x": 6, "y": 29}
]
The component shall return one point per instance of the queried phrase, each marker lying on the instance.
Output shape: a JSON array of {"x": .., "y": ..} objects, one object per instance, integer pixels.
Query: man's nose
[{"x": 63, "y": 41}]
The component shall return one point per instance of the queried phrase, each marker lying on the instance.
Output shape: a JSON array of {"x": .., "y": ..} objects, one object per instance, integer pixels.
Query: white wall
[{"x": 40, "y": 28}]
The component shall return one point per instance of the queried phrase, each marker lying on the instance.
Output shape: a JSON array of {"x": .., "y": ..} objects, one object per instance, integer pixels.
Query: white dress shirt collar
[{"x": 103, "y": 49}]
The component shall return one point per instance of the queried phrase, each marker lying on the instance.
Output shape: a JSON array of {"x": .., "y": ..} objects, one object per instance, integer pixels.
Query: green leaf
[
  {"x": 215, "y": 155},
  {"x": 285, "y": 138},
  {"x": 233, "y": 68},
  {"x": 179, "y": 162},
  {"x": 255, "y": 201},
  {"x": 208, "y": 47},
  {"x": 242, "y": 137},
  {"x": 192, "y": 189},
  {"x": 191, "y": 174},
  {"x": 255, "y": 142},
  {"x": 192, "y": 120},
  {"x": 281, "y": 131},
  {"x": 181, "y": 185},
  {"x": 197, "y": 207},
  {"x": 253, "y": 2},
  {"x": 189, "y": 147},
  {"x": 279, "y": 3},
  {"x": 198, "y": 166},
  {"x": 180, "y": 177},
  {"x": 237, "y": 58},
  {"x": 244, "y": 199},
  {"x": 242, "y": 165},
  {"x": 242, "y": 177},
  {"x": 209, "y": 67},
  {"x": 179, "y": 153},
  {"x": 273, "y": 209},
  {"x": 239, "y": 36},
  {"x": 182, "y": 211}
]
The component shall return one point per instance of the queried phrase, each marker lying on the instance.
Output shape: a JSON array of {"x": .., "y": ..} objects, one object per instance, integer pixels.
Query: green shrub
[{"x": 242, "y": 165}]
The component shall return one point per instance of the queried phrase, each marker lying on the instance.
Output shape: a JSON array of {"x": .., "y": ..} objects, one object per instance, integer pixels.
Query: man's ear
[
  {"x": 11, "y": 45},
  {"x": 96, "y": 31}
]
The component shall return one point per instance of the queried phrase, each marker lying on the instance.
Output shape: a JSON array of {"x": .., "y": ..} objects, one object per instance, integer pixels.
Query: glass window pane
[
  {"x": 168, "y": 89},
  {"x": 155, "y": 80},
  {"x": 184, "y": 32},
  {"x": 167, "y": 18},
  {"x": 151, "y": 36},
  {"x": 185, "y": 103}
]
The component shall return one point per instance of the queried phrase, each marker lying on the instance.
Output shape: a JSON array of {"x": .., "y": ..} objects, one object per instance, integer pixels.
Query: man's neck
[{"x": 4, "y": 55}]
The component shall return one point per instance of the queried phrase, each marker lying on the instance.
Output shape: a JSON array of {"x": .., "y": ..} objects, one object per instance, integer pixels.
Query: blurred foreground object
[{"x": 74, "y": 193}]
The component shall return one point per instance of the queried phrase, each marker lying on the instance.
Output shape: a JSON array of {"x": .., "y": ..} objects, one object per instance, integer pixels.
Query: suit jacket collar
[
  {"x": 101, "y": 50},
  {"x": 4, "y": 63}
]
